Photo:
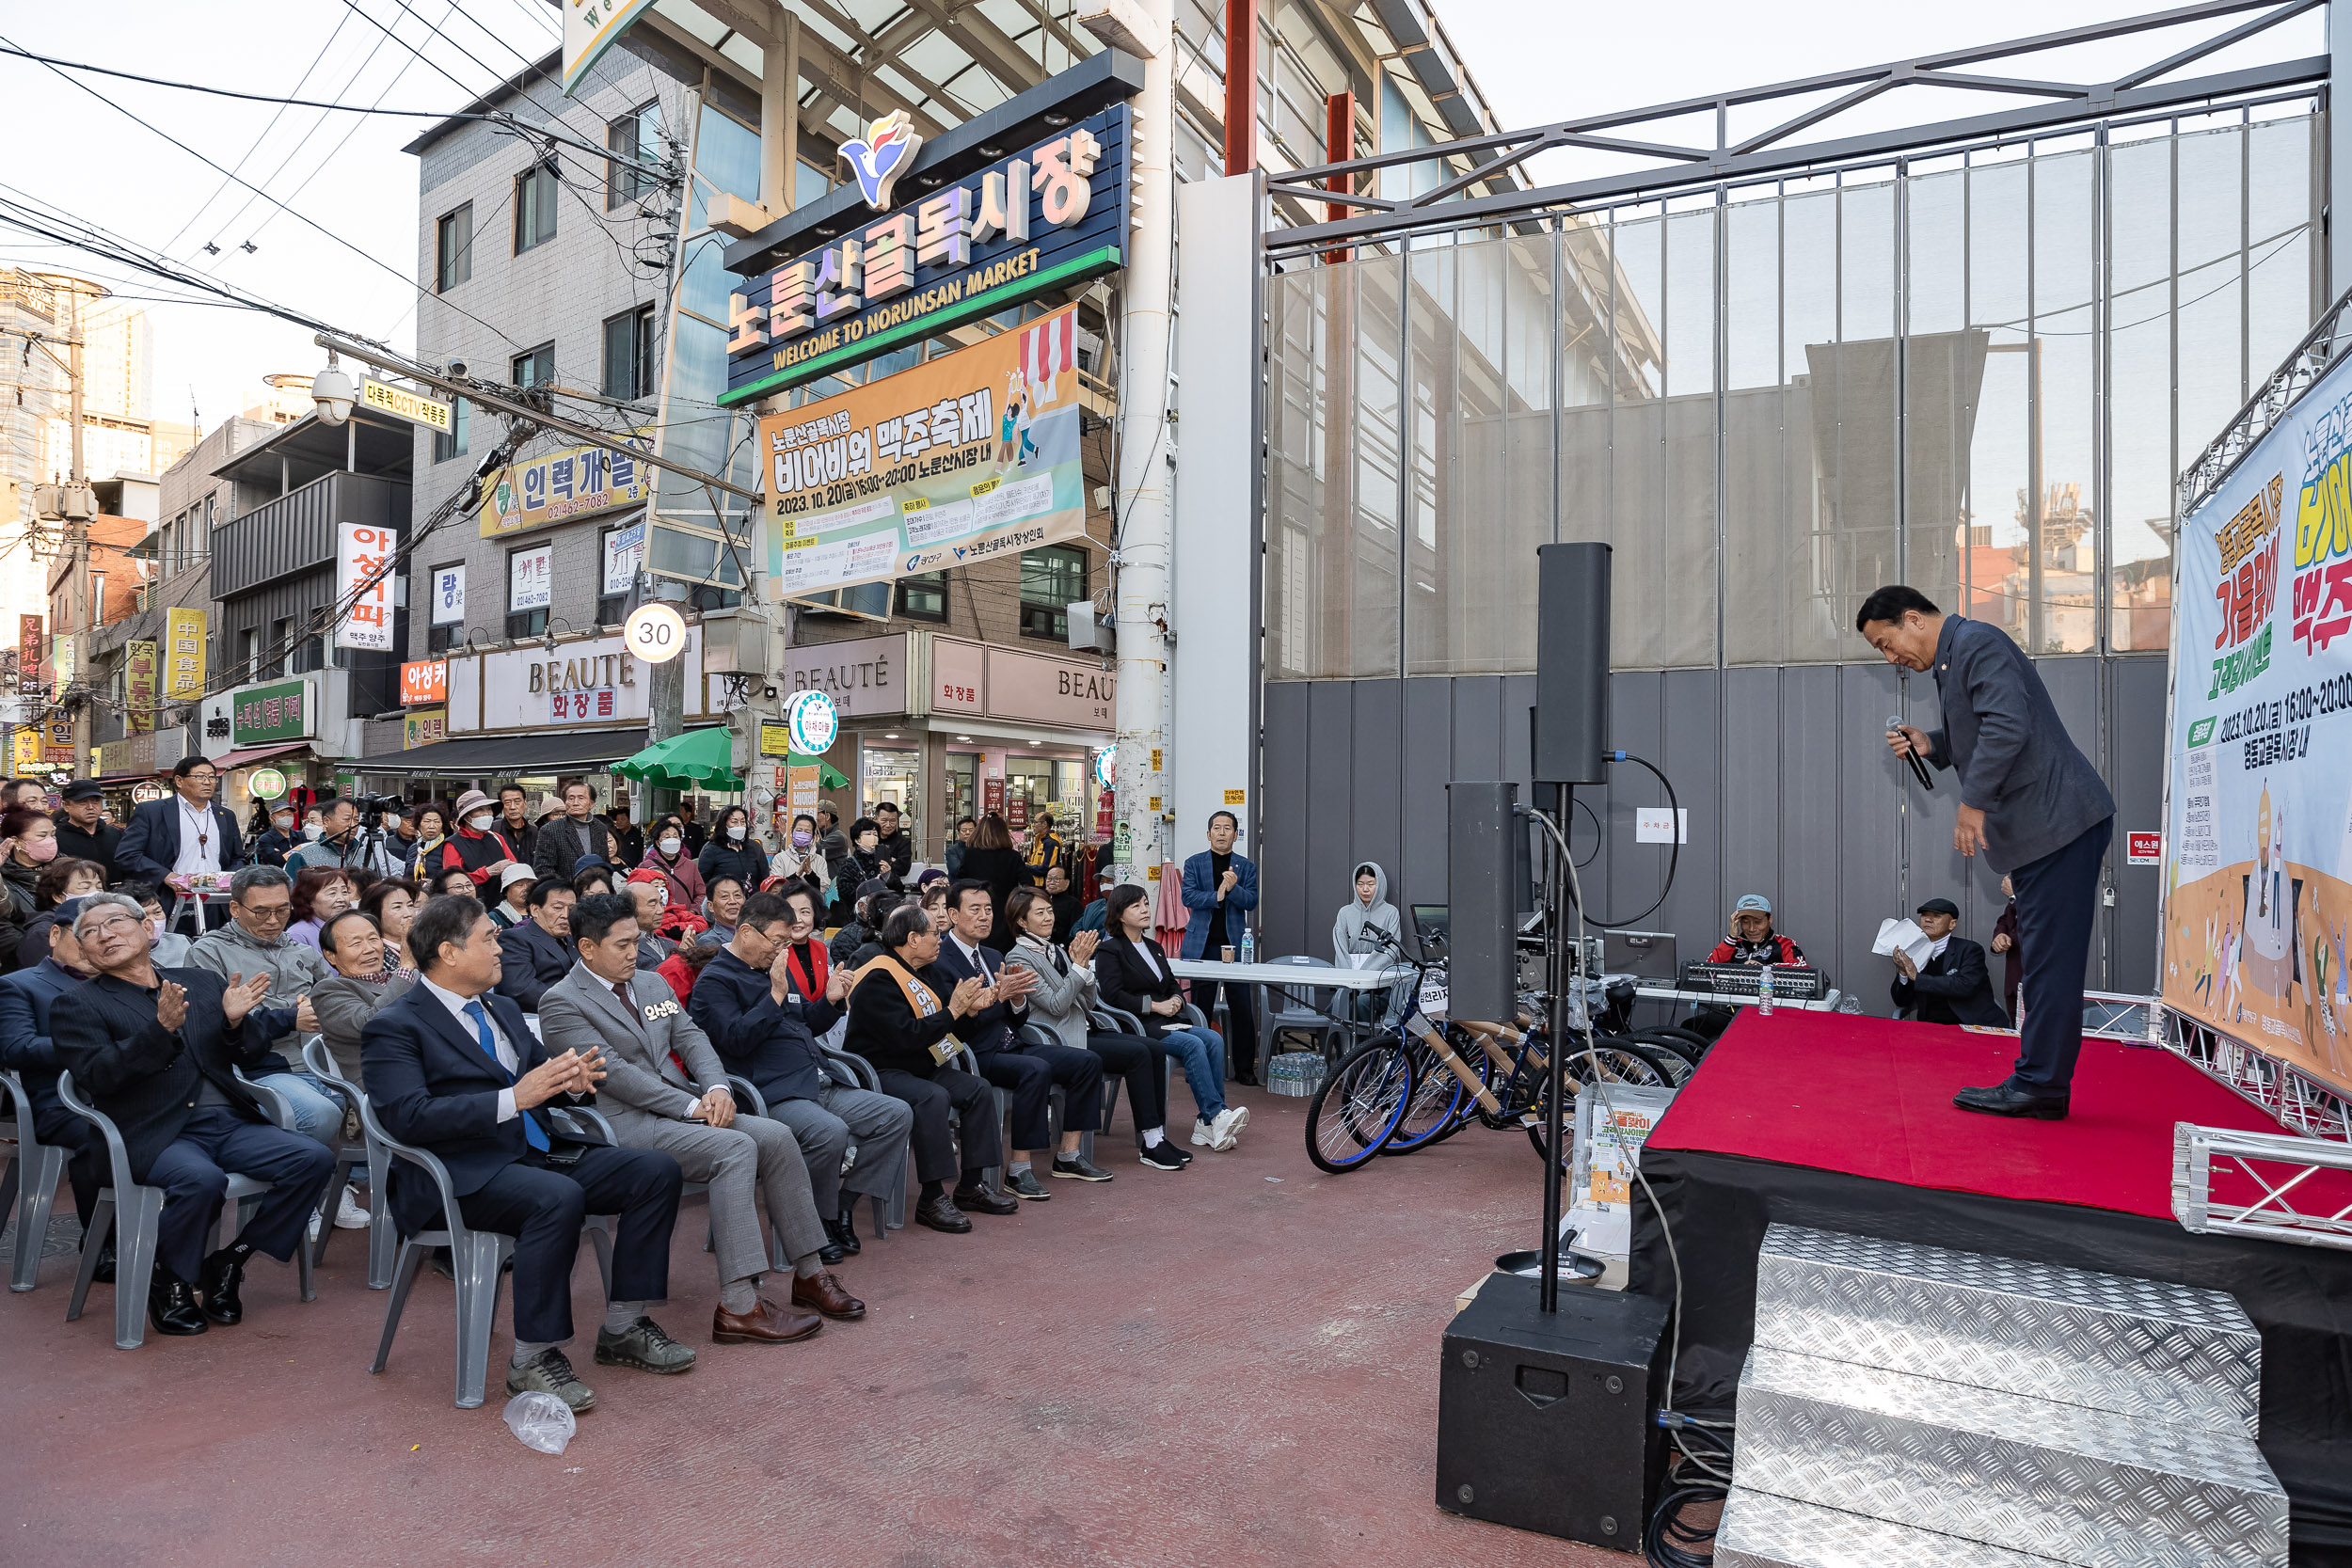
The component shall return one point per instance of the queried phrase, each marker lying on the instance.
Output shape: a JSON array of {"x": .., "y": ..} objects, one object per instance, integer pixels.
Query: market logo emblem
[
  {"x": 886, "y": 152},
  {"x": 2201, "y": 732}
]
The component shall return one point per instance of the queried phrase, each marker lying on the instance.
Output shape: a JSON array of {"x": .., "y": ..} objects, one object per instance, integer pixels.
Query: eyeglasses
[
  {"x": 200, "y": 775},
  {"x": 113, "y": 922},
  {"x": 266, "y": 911}
]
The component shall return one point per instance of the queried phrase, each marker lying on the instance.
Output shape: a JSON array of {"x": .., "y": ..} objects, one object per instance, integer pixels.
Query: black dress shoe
[
  {"x": 104, "y": 1273},
  {"x": 220, "y": 1282},
  {"x": 832, "y": 1252},
  {"x": 2010, "y": 1098},
  {"x": 941, "y": 1213},
  {"x": 844, "y": 1232},
  {"x": 171, "y": 1307},
  {"x": 1024, "y": 1184},
  {"x": 987, "y": 1200}
]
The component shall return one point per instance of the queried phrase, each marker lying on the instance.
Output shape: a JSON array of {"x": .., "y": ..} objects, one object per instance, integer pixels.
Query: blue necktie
[{"x": 533, "y": 1133}]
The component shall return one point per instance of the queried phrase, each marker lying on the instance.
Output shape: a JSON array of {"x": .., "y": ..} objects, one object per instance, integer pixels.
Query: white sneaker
[
  {"x": 350, "y": 1215},
  {"x": 314, "y": 1225},
  {"x": 1203, "y": 1135},
  {"x": 1228, "y": 1122}
]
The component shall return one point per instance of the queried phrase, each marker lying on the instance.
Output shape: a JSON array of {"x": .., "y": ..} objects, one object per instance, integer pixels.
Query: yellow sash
[{"x": 920, "y": 997}]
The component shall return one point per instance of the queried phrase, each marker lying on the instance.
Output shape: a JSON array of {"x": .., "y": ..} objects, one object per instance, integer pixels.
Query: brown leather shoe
[
  {"x": 824, "y": 1293},
  {"x": 765, "y": 1324}
]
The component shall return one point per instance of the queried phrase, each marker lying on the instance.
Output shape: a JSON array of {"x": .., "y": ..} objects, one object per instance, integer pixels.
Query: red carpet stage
[{"x": 1846, "y": 1123}]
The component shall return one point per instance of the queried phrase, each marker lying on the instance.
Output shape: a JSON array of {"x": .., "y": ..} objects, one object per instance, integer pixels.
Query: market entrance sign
[{"x": 1049, "y": 216}]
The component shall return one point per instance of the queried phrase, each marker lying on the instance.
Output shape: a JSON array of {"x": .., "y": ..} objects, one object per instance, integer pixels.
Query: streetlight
[{"x": 334, "y": 391}]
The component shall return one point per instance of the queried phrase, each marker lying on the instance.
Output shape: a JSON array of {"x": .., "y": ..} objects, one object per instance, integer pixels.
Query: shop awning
[
  {"x": 252, "y": 755},
  {"x": 551, "y": 751}
]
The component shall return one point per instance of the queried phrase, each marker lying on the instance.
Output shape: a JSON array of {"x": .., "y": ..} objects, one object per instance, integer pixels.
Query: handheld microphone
[{"x": 1918, "y": 768}]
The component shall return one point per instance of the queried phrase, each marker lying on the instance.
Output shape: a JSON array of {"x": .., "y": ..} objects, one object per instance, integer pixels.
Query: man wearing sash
[{"x": 907, "y": 1030}]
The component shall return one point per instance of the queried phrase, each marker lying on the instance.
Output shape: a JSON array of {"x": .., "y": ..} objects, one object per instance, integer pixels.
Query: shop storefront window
[
  {"x": 962, "y": 788},
  {"x": 888, "y": 773}
]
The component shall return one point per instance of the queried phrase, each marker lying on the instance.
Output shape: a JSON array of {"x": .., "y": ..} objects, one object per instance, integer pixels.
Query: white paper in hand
[{"x": 1903, "y": 934}]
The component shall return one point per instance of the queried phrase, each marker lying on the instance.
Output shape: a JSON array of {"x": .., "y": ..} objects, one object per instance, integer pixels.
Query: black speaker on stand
[{"x": 1546, "y": 1401}]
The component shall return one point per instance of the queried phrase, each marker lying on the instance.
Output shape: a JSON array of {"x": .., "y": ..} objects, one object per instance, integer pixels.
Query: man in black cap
[
  {"x": 85, "y": 833},
  {"x": 1954, "y": 986}
]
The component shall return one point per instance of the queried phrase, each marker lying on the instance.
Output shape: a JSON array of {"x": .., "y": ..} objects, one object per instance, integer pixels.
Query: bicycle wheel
[
  {"x": 1356, "y": 1109},
  {"x": 1439, "y": 1103},
  {"x": 1673, "y": 1055},
  {"x": 1615, "y": 1060}
]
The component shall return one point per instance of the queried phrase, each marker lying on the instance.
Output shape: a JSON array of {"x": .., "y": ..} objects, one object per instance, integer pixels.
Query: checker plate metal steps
[
  {"x": 1906, "y": 1404},
  {"x": 2137, "y": 1347},
  {"x": 1761, "y": 1531}
]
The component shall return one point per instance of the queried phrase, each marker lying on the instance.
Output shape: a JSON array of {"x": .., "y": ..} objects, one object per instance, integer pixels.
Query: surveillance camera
[{"x": 457, "y": 366}]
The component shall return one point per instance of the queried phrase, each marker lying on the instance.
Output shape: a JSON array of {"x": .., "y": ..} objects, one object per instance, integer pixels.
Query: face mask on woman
[
  {"x": 312, "y": 830},
  {"x": 479, "y": 822},
  {"x": 670, "y": 846},
  {"x": 154, "y": 929},
  {"x": 737, "y": 830},
  {"x": 41, "y": 849},
  {"x": 802, "y": 838}
]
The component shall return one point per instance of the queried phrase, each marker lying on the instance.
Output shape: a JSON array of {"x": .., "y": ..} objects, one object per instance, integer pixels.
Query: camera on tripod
[{"x": 372, "y": 807}]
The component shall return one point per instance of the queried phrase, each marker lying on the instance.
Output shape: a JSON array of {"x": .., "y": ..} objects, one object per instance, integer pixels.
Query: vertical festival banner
[
  {"x": 2258, "y": 837},
  {"x": 183, "y": 654},
  {"x": 142, "y": 669},
  {"x": 365, "y": 587}
]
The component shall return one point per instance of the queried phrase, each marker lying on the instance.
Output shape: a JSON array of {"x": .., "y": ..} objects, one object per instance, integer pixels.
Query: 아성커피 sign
[{"x": 1042, "y": 220}]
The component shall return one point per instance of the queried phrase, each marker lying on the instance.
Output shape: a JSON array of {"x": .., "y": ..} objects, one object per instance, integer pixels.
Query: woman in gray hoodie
[{"x": 1362, "y": 916}]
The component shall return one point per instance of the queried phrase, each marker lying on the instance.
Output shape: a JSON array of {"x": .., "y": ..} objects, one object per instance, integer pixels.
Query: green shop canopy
[{"x": 705, "y": 756}]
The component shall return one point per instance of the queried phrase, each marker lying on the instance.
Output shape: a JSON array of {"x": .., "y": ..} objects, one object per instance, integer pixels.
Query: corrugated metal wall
[{"x": 1791, "y": 790}]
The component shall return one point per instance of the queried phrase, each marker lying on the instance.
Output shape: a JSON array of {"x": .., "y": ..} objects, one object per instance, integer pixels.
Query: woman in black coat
[
  {"x": 1133, "y": 974},
  {"x": 992, "y": 859},
  {"x": 732, "y": 851}
]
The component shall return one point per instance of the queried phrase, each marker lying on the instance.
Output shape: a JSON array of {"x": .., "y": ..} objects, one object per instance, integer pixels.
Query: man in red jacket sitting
[{"x": 1753, "y": 941}]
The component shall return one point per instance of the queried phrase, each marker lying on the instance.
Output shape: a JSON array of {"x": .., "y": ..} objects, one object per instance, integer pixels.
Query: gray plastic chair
[
  {"x": 1057, "y": 1102},
  {"x": 28, "y": 1183},
  {"x": 1298, "y": 1013},
  {"x": 321, "y": 1063},
  {"x": 1115, "y": 1021},
  {"x": 891, "y": 1215},
  {"x": 136, "y": 1213},
  {"x": 478, "y": 1257}
]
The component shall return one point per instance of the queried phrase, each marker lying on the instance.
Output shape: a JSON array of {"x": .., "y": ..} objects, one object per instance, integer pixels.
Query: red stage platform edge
[{"x": 1872, "y": 1096}]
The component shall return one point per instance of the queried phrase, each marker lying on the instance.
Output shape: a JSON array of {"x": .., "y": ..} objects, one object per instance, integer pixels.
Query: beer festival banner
[
  {"x": 2258, "y": 836},
  {"x": 971, "y": 457}
]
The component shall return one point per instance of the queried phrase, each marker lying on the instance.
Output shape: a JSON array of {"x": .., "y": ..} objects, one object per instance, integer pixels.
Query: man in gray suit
[
  {"x": 689, "y": 1114},
  {"x": 2030, "y": 800}
]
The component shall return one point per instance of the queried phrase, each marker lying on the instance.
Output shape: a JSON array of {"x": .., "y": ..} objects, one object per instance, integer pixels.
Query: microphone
[{"x": 1918, "y": 768}]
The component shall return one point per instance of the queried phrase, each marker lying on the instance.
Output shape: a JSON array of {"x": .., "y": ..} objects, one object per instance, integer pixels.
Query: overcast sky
[{"x": 348, "y": 175}]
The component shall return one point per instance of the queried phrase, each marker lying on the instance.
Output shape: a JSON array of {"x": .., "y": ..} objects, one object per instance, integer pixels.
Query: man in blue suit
[
  {"x": 170, "y": 842},
  {"x": 1025, "y": 1071},
  {"x": 2030, "y": 800},
  {"x": 454, "y": 1068},
  {"x": 1220, "y": 890},
  {"x": 28, "y": 1050}
]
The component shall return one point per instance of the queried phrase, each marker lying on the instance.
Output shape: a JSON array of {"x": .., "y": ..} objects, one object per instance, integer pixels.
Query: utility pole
[
  {"x": 1145, "y": 441},
  {"x": 77, "y": 531}
]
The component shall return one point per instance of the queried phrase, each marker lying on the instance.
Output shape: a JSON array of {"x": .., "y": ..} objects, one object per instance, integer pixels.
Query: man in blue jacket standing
[
  {"x": 1220, "y": 890},
  {"x": 176, "y": 843},
  {"x": 2030, "y": 800}
]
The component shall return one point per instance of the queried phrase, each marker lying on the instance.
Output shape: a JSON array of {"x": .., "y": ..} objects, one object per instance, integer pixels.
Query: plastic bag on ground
[{"x": 541, "y": 1421}]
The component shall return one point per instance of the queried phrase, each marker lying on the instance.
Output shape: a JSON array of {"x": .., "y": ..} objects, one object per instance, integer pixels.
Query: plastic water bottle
[
  {"x": 1764, "y": 992},
  {"x": 1249, "y": 947}
]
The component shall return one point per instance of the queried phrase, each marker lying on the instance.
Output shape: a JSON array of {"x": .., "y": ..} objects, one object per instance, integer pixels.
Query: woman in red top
[
  {"x": 477, "y": 850},
  {"x": 805, "y": 950}
]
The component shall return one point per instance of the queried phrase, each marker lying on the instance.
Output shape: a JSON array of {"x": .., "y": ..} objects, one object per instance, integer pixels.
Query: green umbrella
[
  {"x": 828, "y": 777},
  {"x": 702, "y": 757}
]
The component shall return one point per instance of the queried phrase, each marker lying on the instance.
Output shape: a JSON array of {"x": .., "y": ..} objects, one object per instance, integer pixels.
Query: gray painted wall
[{"x": 1791, "y": 790}]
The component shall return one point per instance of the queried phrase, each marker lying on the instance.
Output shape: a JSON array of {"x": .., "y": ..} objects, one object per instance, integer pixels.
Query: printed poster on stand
[
  {"x": 2258, "y": 831},
  {"x": 971, "y": 457}
]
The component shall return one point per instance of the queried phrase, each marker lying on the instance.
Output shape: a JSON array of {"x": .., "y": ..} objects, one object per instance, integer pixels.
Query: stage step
[
  {"x": 2082, "y": 1487},
  {"x": 2136, "y": 1347},
  {"x": 1761, "y": 1531}
]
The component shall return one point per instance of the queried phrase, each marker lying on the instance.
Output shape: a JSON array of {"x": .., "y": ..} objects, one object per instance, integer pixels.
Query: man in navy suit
[
  {"x": 170, "y": 842},
  {"x": 2030, "y": 800},
  {"x": 538, "y": 951},
  {"x": 1025, "y": 1071},
  {"x": 454, "y": 1068},
  {"x": 28, "y": 1050}
]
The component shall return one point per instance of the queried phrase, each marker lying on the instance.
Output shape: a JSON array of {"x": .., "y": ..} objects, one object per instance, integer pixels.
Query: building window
[
  {"x": 453, "y": 444},
  {"x": 923, "y": 596},
  {"x": 440, "y": 640},
  {"x": 534, "y": 368},
  {"x": 535, "y": 207},
  {"x": 637, "y": 133},
  {"x": 1051, "y": 580},
  {"x": 454, "y": 263},
  {"x": 628, "y": 355}
]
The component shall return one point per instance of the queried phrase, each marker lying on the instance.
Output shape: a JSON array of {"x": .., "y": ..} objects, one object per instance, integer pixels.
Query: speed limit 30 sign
[{"x": 655, "y": 633}]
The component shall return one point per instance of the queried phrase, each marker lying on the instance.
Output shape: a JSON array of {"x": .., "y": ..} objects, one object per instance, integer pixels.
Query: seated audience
[
  {"x": 1753, "y": 941},
  {"x": 1027, "y": 1070},
  {"x": 1067, "y": 905},
  {"x": 867, "y": 915},
  {"x": 1369, "y": 926},
  {"x": 682, "y": 968},
  {"x": 392, "y": 902},
  {"x": 30, "y": 836},
  {"x": 28, "y": 1050},
  {"x": 451, "y": 883},
  {"x": 650, "y": 891},
  {"x": 590, "y": 877},
  {"x": 319, "y": 894},
  {"x": 515, "y": 885},
  {"x": 66, "y": 878},
  {"x": 722, "y": 908},
  {"x": 763, "y": 1011},
  {"x": 1131, "y": 973},
  {"x": 260, "y": 901},
  {"x": 157, "y": 1053},
  {"x": 665, "y": 1089},
  {"x": 353, "y": 947},
  {"x": 172, "y": 947},
  {"x": 1062, "y": 1001},
  {"x": 453, "y": 1067},
  {"x": 538, "y": 951},
  {"x": 906, "y": 1030},
  {"x": 1955, "y": 985}
]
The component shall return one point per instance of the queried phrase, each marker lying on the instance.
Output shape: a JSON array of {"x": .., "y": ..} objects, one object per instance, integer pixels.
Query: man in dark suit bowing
[
  {"x": 454, "y": 1068},
  {"x": 174, "y": 841},
  {"x": 1955, "y": 985},
  {"x": 157, "y": 1051},
  {"x": 1025, "y": 1071}
]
